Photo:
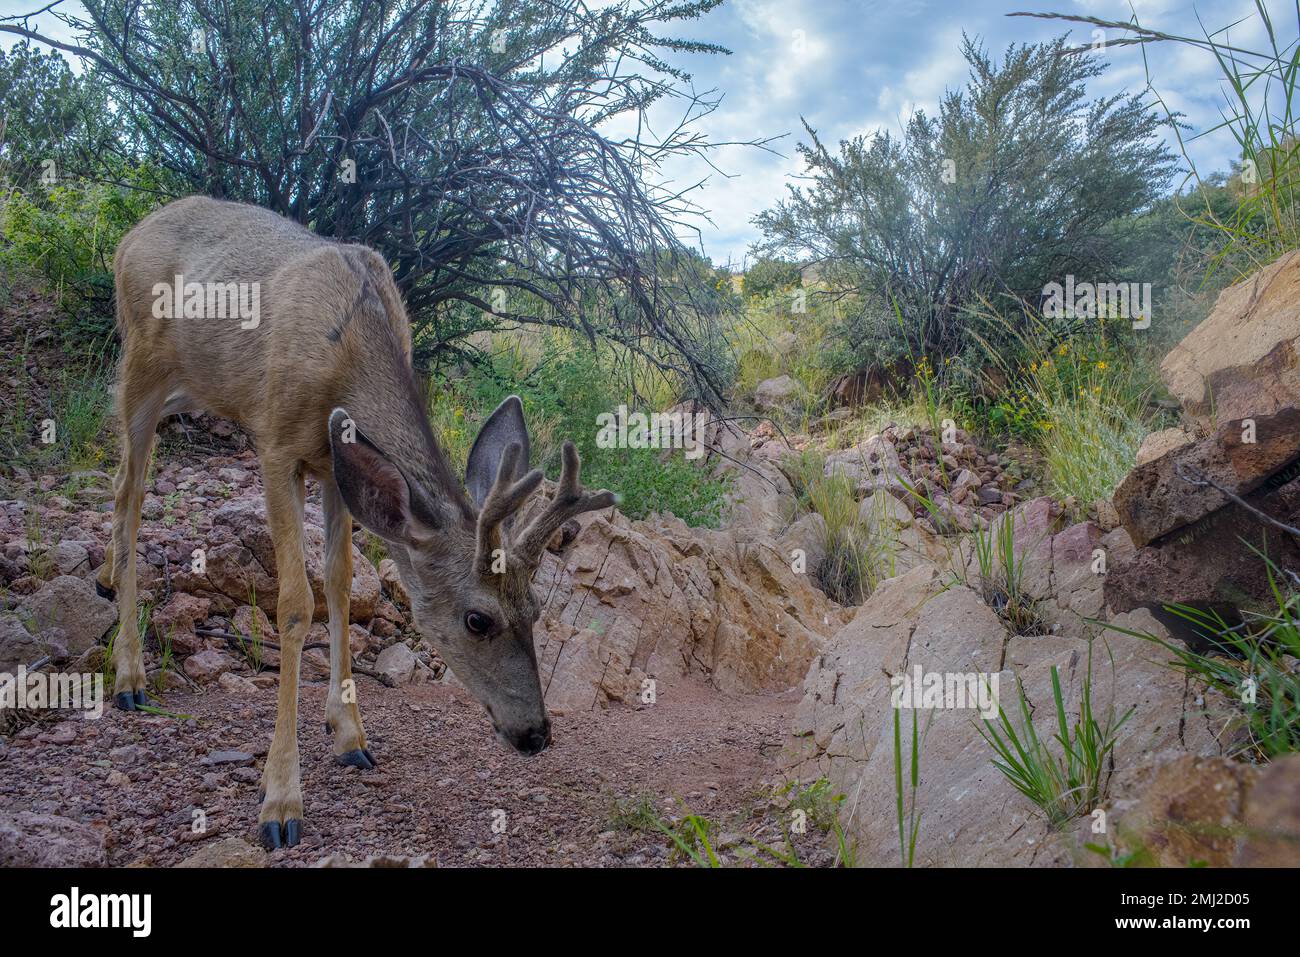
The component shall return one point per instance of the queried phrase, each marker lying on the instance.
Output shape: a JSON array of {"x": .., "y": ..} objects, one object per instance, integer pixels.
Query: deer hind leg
[
  {"x": 342, "y": 715},
  {"x": 280, "y": 820},
  {"x": 142, "y": 393}
]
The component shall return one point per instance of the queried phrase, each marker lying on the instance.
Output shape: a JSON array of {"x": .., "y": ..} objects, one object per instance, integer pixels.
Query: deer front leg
[
  {"x": 280, "y": 820},
  {"x": 342, "y": 714},
  {"x": 140, "y": 402}
]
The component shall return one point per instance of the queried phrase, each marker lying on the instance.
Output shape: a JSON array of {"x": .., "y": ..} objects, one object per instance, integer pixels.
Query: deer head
[{"x": 467, "y": 569}]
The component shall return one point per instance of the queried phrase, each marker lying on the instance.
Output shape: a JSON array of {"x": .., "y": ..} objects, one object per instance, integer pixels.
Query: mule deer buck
[{"x": 320, "y": 373}]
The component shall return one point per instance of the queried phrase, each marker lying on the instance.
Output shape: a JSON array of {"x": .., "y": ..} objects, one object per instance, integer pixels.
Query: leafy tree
[
  {"x": 495, "y": 152},
  {"x": 770, "y": 275},
  {"x": 49, "y": 119},
  {"x": 1009, "y": 187}
]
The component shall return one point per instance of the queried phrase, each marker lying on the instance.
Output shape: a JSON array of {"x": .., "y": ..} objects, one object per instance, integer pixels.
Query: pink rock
[{"x": 208, "y": 665}]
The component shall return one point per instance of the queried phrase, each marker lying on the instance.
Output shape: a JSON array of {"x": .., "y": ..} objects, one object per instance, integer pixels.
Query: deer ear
[
  {"x": 375, "y": 490},
  {"x": 503, "y": 428}
]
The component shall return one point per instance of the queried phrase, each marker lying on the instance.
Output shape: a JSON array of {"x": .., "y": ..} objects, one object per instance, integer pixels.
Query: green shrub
[
  {"x": 1063, "y": 786},
  {"x": 1009, "y": 186},
  {"x": 564, "y": 387},
  {"x": 768, "y": 276},
  {"x": 67, "y": 236}
]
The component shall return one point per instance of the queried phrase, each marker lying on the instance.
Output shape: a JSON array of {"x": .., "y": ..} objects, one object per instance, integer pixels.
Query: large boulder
[
  {"x": 1271, "y": 822},
  {"x": 72, "y": 605},
  {"x": 806, "y": 537},
  {"x": 780, "y": 394},
  {"x": 871, "y": 466},
  {"x": 655, "y": 600},
  {"x": 1186, "y": 810},
  {"x": 1208, "y": 564},
  {"x": 1242, "y": 361},
  {"x": 397, "y": 663},
  {"x": 18, "y": 646},
  {"x": 1237, "y": 377}
]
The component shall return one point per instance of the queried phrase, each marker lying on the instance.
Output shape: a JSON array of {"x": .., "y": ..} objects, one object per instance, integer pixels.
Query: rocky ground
[{"x": 127, "y": 790}]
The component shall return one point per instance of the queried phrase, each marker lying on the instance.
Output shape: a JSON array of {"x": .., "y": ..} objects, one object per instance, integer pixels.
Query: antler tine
[
  {"x": 570, "y": 501},
  {"x": 503, "y": 500}
]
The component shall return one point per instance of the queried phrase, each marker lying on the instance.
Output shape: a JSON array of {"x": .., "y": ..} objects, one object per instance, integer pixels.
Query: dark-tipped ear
[
  {"x": 376, "y": 492},
  {"x": 503, "y": 428}
]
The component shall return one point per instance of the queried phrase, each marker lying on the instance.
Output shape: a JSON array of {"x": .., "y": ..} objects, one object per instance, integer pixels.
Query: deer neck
[{"x": 389, "y": 410}]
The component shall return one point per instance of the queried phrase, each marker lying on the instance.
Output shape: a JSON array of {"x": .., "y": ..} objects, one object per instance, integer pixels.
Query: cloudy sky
[
  {"x": 855, "y": 66},
  {"x": 867, "y": 64}
]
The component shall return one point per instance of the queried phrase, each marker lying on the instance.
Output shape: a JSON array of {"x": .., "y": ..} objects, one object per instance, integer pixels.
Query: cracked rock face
[
  {"x": 971, "y": 815},
  {"x": 632, "y": 602}
]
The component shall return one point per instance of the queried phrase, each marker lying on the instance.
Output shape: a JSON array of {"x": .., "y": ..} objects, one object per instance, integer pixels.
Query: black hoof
[
  {"x": 357, "y": 758},
  {"x": 273, "y": 838},
  {"x": 141, "y": 699},
  {"x": 269, "y": 835},
  {"x": 124, "y": 701},
  {"x": 109, "y": 593}
]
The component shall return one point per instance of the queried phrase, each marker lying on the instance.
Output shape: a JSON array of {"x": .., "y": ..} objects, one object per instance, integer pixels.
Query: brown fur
[{"x": 332, "y": 347}]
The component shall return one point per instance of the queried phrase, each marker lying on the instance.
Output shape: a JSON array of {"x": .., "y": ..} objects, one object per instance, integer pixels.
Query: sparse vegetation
[
  {"x": 1001, "y": 576},
  {"x": 1063, "y": 785},
  {"x": 565, "y": 385},
  {"x": 905, "y": 787}
]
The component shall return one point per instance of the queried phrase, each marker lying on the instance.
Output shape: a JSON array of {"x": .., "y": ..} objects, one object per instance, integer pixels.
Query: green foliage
[
  {"x": 52, "y": 119},
  {"x": 297, "y": 107},
  {"x": 909, "y": 819},
  {"x": 67, "y": 235},
  {"x": 817, "y": 800},
  {"x": 564, "y": 387},
  {"x": 1008, "y": 188},
  {"x": 1082, "y": 397},
  {"x": 1001, "y": 575},
  {"x": 1173, "y": 245},
  {"x": 770, "y": 275},
  {"x": 1261, "y": 113},
  {"x": 1065, "y": 785},
  {"x": 859, "y": 553},
  {"x": 816, "y": 355},
  {"x": 637, "y": 813},
  {"x": 693, "y": 838},
  {"x": 77, "y": 403}
]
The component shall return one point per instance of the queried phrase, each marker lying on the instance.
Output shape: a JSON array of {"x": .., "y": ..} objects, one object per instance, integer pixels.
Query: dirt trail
[{"x": 440, "y": 779}]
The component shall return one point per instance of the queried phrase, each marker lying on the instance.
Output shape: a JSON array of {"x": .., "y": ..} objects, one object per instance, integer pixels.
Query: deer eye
[{"x": 478, "y": 623}]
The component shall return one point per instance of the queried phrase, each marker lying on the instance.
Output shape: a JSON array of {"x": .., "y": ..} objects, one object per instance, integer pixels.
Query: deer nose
[{"x": 533, "y": 740}]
